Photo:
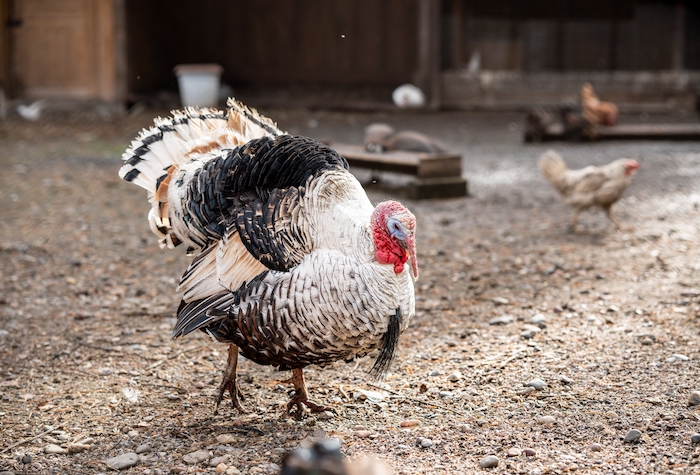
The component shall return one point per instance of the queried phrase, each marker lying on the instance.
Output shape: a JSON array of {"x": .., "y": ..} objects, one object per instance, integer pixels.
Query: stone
[
  {"x": 490, "y": 461},
  {"x": 196, "y": 457},
  {"x": 221, "y": 468},
  {"x": 27, "y": 459},
  {"x": 216, "y": 461},
  {"x": 536, "y": 383},
  {"x": 596, "y": 447},
  {"x": 104, "y": 371},
  {"x": 694, "y": 399},
  {"x": 55, "y": 449},
  {"x": 143, "y": 448},
  {"x": 226, "y": 438},
  {"x": 77, "y": 448},
  {"x": 632, "y": 436},
  {"x": 426, "y": 443},
  {"x": 456, "y": 376},
  {"x": 529, "y": 452},
  {"x": 123, "y": 461},
  {"x": 539, "y": 320},
  {"x": 502, "y": 320},
  {"x": 410, "y": 423},
  {"x": 695, "y": 438},
  {"x": 514, "y": 452},
  {"x": 547, "y": 420},
  {"x": 363, "y": 434}
]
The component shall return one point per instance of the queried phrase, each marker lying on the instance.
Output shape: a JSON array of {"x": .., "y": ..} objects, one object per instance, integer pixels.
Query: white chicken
[{"x": 294, "y": 265}]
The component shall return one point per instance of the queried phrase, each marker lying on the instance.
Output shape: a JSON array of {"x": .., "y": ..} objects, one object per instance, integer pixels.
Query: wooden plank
[
  {"x": 421, "y": 165},
  {"x": 631, "y": 132}
]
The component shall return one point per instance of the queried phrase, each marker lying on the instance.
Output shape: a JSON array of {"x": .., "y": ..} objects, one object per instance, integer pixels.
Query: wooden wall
[
  {"x": 559, "y": 35},
  {"x": 273, "y": 42}
]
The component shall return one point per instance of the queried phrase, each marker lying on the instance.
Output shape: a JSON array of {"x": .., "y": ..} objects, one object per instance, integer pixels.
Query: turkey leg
[
  {"x": 301, "y": 395},
  {"x": 229, "y": 381}
]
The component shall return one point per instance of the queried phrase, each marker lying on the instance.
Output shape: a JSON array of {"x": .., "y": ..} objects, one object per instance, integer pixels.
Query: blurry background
[{"x": 352, "y": 53}]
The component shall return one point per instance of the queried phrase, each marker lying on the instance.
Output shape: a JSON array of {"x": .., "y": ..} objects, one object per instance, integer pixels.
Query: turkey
[{"x": 293, "y": 265}]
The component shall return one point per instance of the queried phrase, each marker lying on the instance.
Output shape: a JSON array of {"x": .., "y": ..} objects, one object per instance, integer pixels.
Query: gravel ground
[{"x": 545, "y": 349}]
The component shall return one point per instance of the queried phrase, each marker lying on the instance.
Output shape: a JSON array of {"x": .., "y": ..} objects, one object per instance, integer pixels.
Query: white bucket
[{"x": 199, "y": 84}]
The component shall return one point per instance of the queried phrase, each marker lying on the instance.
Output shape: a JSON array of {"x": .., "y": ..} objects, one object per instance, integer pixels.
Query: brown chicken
[
  {"x": 591, "y": 186},
  {"x": 595, "y": 111}
]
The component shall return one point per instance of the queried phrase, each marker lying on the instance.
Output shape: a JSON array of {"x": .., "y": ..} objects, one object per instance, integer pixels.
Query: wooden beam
[
  {"x": 429, "y": 61},
  {"x": 629, "y": 132},
  {"x": 678, "y": 53},
  {"x": 422, "y": 165}
]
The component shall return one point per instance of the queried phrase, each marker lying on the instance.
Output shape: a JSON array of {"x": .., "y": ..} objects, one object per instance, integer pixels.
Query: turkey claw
[
  {"x": 304, "y": 407},
  {"x": 236, "y": 396}
]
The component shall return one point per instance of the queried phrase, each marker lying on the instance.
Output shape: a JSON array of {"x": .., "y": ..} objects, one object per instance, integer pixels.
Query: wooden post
[
  {"x": 429, "y": 50},
  {"x": 678, "y": 37}
]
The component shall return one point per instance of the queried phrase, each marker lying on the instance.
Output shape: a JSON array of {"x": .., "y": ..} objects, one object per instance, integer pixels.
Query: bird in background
[
  {"x": 408, "y": 96},
  {"x": 31, "y": 112},
  {"x": 591, "y": 186},
  {"x": 293, "y": 264},
  {"x": 380, "y": 137},
  {"x": 595, "y": 111}
]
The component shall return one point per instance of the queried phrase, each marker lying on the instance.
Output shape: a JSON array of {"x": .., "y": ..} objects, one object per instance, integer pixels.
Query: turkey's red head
[{"x": 393, "y": 228}]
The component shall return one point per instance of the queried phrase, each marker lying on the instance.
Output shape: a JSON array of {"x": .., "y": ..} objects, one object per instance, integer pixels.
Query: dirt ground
[{"x": 87, "y": 302}]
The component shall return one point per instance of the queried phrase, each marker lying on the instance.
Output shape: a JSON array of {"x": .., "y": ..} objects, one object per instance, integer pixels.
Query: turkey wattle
[{"x": 295, "y": 266}]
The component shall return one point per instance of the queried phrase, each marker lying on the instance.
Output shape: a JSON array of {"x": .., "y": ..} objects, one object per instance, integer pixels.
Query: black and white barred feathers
[{"x": 285, "y": 262}]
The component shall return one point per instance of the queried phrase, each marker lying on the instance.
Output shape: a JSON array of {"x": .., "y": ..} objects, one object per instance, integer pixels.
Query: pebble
[
  {"x": 529, "y": 452},
  {"x": 196, "y": 457},
  {"x": 221, "y": 468},
  {"x": 27, "y": 459},
  {"x": 632, "y": 436},
  {"x": 363, "y": 434},
  {"x": 77, "y": 448},
  {"x": 539, "y": 320},
  {"x": 200, "y": 385},
  {"x": 55, "y": 449},
  {"x": 676, "y": 357},
  {"x": 410, "y": 423},
  {"x": 489, "y": 462},
  {"x": 514, "y": 452},
  {"x": 565, "y": 380},
  {"x": 446, "y": 394},
  {"x": 226, "y": 438},
  {"x": 536, "y": 383},
  {"x": 596, "y": 447},
  {"x": 104, "y": 371},
  {"x": 232, "y": 471},
  {"x": 695, "y": 438},
  {"x": 402, "y": 447},
  {"x": 500, "y": 301},
  {"x": 646, "y": 341},
  {"x": 426, "y": 443},
  {"x": 548, "y": 420},
  {"x": 7, "y": 472},
  {"x": 325, "y": 416},
  {"x": 694, "y": 399},
  {"x": 528, "y": 334},
  {"x": 122, "y": 461},
  {"x": 143, "y": 448},
  {"x": 456, "y": 376},
  {"x": 216, "y": 461},
  {"x": 502, "y": 320}
]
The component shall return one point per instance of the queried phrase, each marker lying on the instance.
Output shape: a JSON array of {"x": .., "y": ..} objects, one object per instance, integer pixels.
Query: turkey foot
[
  {"x": 301, "y": 396},
  {"x": 229, "y": 382}
]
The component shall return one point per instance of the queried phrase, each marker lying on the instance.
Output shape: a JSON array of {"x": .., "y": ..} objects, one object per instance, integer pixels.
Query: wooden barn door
[
  {"x": 54, "y": 48},
  {"x": 67, "y": 49}
]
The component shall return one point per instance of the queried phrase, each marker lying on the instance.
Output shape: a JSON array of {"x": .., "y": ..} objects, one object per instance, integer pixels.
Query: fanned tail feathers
[{"x": 157, "y": 152}]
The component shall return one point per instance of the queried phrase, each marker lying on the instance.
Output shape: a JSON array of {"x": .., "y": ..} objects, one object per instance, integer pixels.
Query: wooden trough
[
  {"x": 437, "y": 175},
  {"x": 557, "y": 131}
]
